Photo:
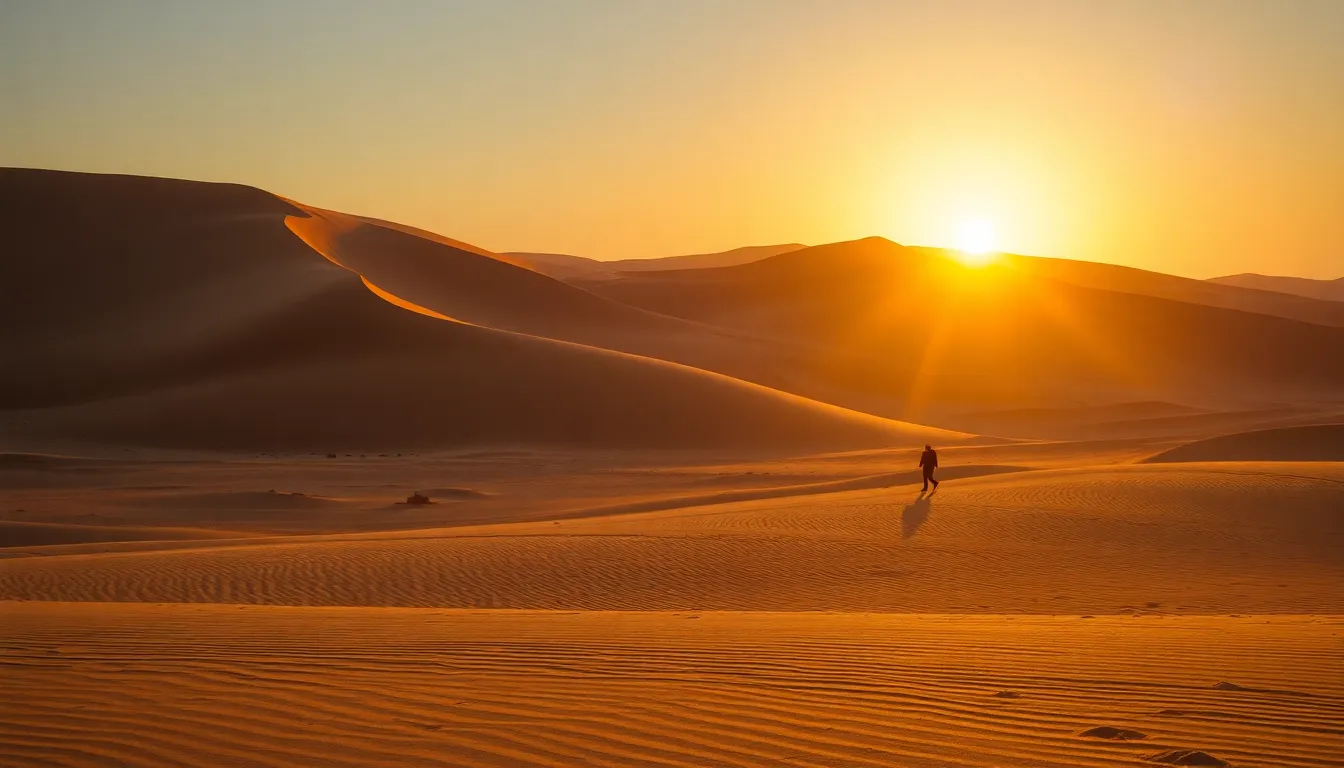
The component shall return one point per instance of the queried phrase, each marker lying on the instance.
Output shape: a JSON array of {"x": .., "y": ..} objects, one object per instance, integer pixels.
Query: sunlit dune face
[{"x": 975, "y": 241}]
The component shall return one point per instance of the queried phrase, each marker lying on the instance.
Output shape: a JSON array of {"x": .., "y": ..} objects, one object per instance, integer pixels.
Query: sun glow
[{"x": 975, "y": 241}]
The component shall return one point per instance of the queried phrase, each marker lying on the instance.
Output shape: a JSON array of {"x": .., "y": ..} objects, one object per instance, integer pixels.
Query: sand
[
  {"x": 677, "y": 517},
  {"x": 824, "y": 614},
  {"x": 1177, "y": 536},
  {"x": 222, "y": 685}
]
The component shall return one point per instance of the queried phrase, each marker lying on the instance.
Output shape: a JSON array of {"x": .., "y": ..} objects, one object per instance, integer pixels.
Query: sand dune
[
  {"x": 1187, "y": 538},
  {"x": 1327, "y": 290},
  {"x": 203, "y": 322},
  {"x": 906, "y": 331},
  {"x": 508, "y": 394},
  {"x": 868, "y": 326},
  {"x": 1311, "y": 443},
  {"x": 464, "y": 283},
  {"x": 157, "y": 685}
]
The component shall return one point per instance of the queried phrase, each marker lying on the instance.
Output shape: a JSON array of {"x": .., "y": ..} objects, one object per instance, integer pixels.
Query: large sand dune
[{"x": 203, "y": 322}]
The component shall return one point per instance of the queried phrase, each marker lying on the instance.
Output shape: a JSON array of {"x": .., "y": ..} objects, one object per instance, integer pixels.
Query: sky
[{"x": 1195, "y": 138}]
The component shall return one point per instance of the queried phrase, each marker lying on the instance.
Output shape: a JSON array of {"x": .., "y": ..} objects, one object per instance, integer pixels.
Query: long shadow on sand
[{"x": 914, "y": 515}]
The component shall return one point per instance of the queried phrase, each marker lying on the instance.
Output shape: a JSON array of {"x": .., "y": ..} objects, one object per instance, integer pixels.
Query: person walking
[{"x": 929, "y": 461}]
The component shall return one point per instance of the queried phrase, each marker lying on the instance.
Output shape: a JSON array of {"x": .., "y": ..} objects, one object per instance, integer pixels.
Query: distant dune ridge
[
  {"x": 565, "y": 266},
  {"x": 1328, "y": 290},
  {"x": 189, "y": 314}
]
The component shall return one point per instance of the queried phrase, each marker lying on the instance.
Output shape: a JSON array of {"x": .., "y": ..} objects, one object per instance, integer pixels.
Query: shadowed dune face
[
  {"x": 110, "y": 277},
  {"x": 297, "y": 354}
]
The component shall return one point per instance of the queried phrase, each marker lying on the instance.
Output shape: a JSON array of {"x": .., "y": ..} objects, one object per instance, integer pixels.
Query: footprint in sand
[
  {"x": 1007, "y": 695},
  {"x": 1114, "y": 734},
  {"x": 1187, "y": 757}
]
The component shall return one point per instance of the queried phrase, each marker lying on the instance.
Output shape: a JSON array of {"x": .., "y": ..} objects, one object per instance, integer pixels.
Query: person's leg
[{"x": 928, "y": 475}]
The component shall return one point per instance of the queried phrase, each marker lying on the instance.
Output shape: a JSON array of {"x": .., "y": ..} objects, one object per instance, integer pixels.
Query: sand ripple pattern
[{"x": 101, "y": 685}]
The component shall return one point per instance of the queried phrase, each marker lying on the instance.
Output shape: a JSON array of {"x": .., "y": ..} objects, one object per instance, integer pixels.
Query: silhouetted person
[{"x": 929, "y": 461}]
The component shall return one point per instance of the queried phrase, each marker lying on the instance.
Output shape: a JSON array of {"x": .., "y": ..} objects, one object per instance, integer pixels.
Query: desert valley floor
[{"x": 670, "y": 609}]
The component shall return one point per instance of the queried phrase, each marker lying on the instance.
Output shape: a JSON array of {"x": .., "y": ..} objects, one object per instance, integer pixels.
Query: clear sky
[{"x": 1198, "y": 138}]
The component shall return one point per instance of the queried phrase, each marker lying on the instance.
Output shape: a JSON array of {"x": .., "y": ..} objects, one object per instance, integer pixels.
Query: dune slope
[
  {"x": 908, "y": 330},
  {"x": 1324, "y": 442}
]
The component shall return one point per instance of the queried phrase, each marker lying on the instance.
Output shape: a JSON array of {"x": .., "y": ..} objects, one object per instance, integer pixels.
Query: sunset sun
[{"x": 975, "y": 240}]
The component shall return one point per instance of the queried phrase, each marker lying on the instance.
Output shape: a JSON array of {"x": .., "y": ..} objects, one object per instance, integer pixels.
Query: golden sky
[{"x": 1197, "y": 138}]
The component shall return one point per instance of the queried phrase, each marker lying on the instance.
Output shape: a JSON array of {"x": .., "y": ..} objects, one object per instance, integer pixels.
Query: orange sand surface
[{"x": 101, "y": 684}]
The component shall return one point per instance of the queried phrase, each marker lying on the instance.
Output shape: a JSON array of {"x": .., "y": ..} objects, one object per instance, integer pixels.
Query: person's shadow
[{"x": 915, "y": 514}]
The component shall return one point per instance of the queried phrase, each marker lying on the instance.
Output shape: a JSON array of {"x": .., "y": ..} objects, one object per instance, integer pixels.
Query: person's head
[{"x": 928, "y": 447}]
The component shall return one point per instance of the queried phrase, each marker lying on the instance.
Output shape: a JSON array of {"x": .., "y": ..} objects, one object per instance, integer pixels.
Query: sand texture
[{"x": 215, "y": 685}]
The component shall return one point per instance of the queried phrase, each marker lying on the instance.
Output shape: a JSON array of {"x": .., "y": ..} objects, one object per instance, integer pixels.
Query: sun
[{"x": 975, "y": 241}]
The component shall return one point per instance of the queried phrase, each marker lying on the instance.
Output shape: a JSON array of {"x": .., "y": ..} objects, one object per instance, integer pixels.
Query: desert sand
[{"x": 676, "y": 514}]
